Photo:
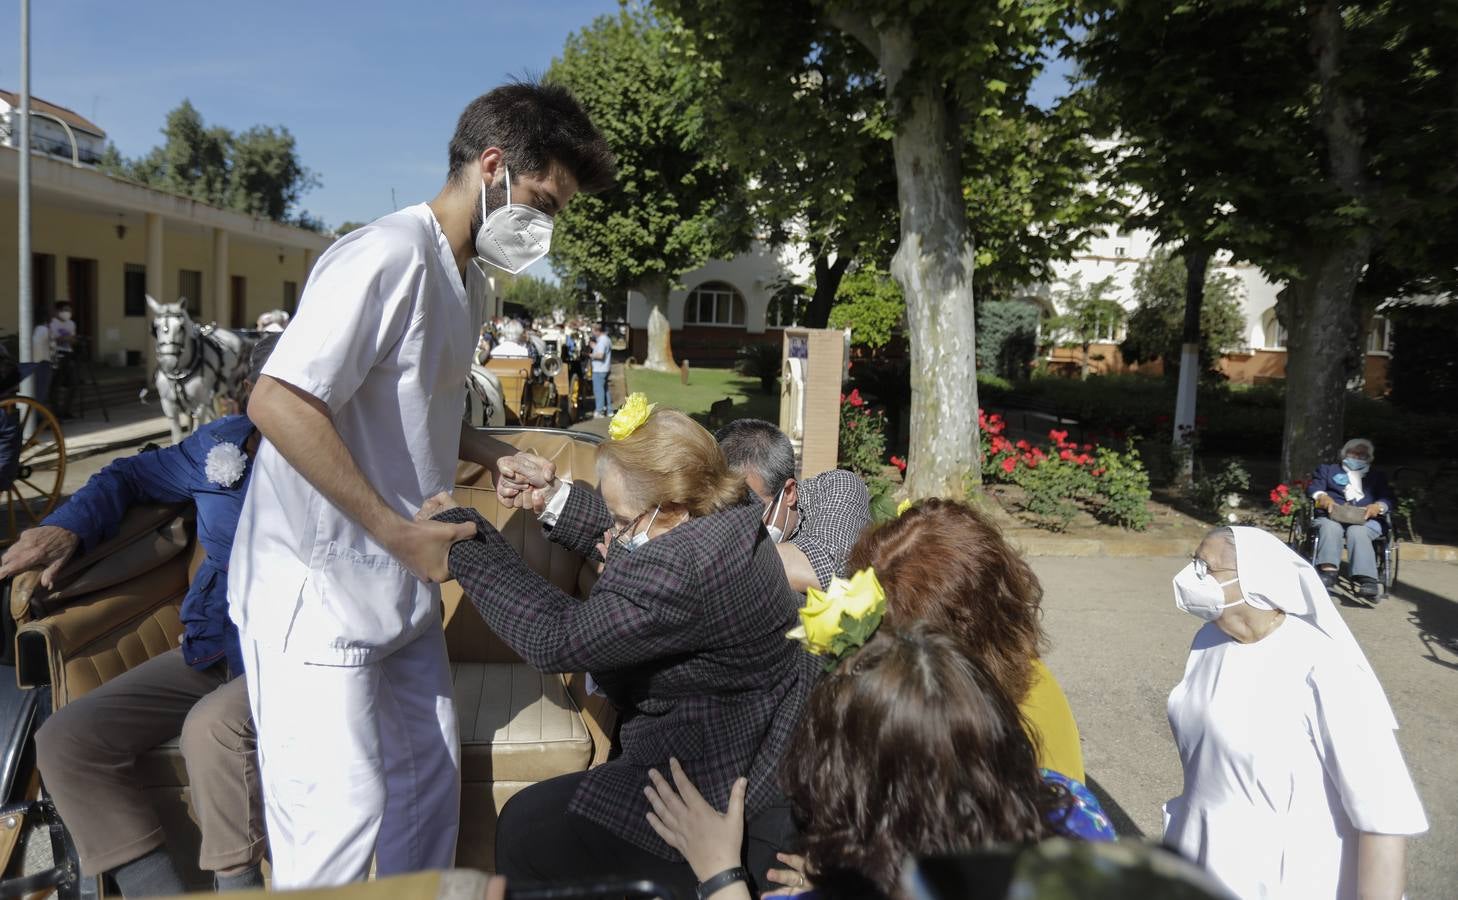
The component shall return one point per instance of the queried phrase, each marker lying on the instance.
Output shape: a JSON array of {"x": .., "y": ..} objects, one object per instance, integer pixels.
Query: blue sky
[{"x": 370, "y": 89}]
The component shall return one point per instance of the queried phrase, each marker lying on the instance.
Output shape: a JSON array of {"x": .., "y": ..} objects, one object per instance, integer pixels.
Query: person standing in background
[
  {"x": 40, "y": 354},
  {"x": 63, "y": 346},
  {"x": 602, "y": 364}
]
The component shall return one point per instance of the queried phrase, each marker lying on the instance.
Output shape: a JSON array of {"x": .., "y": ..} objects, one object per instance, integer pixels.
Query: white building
[
  {"x": 51, "y": 129},
  {"x": 723, "y": 304},
  {"x": 726, "y": 303}
]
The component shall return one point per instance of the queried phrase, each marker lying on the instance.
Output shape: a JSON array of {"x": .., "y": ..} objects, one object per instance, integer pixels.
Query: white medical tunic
[
  {"x": 384, "y": 336},
  {"x": 1283, "y": 765}
]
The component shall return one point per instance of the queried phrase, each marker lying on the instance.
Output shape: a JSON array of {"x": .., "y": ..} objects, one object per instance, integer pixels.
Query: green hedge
[{"x": 1234, "y": 419}]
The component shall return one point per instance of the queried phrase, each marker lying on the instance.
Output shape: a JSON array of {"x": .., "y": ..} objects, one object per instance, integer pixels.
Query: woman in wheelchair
[{"x": 1351, "y": 501}]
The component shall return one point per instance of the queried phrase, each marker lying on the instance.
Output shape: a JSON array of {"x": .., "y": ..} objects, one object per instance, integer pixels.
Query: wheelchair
[{"x": 1304, "y": 537}]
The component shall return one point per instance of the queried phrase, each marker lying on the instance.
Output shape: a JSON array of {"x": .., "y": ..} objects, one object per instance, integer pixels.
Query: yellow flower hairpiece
[
  {"x": 902, "y": 507},
  {"x": 839, "y": 620},
  {"x": 631, "y": 417}
]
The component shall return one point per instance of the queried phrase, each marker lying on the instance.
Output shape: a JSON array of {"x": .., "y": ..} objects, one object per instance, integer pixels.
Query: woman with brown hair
[
  {"x": 907, "y": 748},
  {"x": 947, "y": 564},
  {"x": 684, "y": 631}
]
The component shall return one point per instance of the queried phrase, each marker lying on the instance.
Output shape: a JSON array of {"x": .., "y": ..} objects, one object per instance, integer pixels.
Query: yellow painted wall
[{"x": 64, "y": 233}]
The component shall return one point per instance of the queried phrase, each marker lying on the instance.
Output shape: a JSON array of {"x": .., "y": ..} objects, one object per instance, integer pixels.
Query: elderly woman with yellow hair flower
[{"x": 684, "y": 631}]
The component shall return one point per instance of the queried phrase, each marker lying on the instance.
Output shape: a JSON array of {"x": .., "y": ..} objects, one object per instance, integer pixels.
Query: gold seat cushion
[{"x": 516, "y": 725}]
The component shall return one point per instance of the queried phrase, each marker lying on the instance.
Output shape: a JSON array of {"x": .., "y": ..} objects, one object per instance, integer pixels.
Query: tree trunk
[
  {"x": 1321, "y": 315},
  {"x": 933, "y": 264},
  {"x": 654, "y": 289},
  {"x": 1320, "y": 325},
  {"x": 827, "y": 281},
  {"x": 1197, "y": 260},
  {"x": 1083, "y": 369}
]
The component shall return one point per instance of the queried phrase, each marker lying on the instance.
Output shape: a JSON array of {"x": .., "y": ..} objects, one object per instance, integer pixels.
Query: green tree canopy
[
  {"x": 871, "y": 305},
  {"x": 257, "y": 171},
  {"x": 1088, "y": 313},
  {"x": 1034, "y": 188},
  {"x": 677, "y": 203},
  {"x": 539, "y": 297},
  {"x": 935, "y": 67},
  {"x": 1327, "y": 132},
  {"x": 1155, "y": 329}
]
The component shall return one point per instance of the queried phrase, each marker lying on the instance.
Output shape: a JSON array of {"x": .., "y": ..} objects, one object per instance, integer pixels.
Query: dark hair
[
  {"x": 909, "y": 748},
  {"x": 533, "y": 124},
  {"x": 945, "y": 563},
  {"x": 762, "y": 448},
  {"x": 258, "y": 358}
]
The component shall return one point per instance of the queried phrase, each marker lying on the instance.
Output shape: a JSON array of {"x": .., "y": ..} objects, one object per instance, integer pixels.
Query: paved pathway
[{"x": 1119, "y": 646}]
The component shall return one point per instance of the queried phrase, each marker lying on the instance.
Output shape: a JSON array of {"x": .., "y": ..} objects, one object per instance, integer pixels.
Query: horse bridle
[{"x": 183, "y": 373}]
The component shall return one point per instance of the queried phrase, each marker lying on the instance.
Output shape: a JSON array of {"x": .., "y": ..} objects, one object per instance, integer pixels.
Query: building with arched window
[{"x": 723, "y": 305}]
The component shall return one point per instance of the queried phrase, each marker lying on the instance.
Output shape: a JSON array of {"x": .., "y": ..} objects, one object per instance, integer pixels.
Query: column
[
  {"x": 154, "y": 281},
  {"x": 222, "y": 297}
]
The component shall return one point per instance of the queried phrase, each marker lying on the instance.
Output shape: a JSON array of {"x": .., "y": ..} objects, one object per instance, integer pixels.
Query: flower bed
[{"x": 1061, "y": 477}]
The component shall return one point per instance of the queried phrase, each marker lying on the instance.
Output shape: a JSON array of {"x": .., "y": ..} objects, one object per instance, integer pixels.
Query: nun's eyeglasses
[{"x": 1203, "y": 568}]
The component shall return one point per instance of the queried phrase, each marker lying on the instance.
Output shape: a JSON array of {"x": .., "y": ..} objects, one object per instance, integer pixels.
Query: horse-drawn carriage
[{"x": 118, "y": 606}]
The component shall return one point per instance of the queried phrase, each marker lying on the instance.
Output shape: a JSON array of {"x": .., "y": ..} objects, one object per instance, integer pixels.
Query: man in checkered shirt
[{"x": 814, "y": 522}]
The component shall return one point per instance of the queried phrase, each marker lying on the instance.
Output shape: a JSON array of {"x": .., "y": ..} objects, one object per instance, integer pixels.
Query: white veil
[{"x": 1273, "y": 576}]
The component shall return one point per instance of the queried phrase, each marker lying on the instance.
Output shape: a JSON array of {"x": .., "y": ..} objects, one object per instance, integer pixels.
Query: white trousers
[{"x": 357, "y": 762}]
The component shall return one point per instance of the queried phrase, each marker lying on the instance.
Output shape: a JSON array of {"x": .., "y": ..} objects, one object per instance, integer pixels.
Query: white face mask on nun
[
  {"x": 512, "y": 236},
  {"x": 1199, "y": 594}
]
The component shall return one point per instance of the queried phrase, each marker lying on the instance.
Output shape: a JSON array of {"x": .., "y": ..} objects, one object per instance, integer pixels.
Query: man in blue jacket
[
  {"x": 87, "y": 750},
  {"x": 1350, "y": 483}
]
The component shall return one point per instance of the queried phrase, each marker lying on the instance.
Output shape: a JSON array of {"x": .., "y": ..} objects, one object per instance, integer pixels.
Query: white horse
[{"x": 195, "y": 365}]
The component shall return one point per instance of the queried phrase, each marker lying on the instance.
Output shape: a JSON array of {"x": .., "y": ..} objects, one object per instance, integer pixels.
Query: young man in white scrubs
[{"x": 333, "y": 586}]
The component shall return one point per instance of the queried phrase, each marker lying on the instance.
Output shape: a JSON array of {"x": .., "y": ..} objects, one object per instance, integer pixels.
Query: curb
[{"x": 1053, "y": 545}]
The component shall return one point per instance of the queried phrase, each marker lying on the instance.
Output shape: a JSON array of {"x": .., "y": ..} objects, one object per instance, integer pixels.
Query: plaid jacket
[
  {"x": 835, "y": 508},
  {"x": 686, "y": 636}
]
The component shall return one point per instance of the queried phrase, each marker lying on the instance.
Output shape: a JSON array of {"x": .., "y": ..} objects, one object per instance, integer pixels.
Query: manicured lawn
[{"x": 707, "y": 386}]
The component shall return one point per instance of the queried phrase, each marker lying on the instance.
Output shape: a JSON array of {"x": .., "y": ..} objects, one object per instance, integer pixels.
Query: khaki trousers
[{"x": 88, "y": 749}]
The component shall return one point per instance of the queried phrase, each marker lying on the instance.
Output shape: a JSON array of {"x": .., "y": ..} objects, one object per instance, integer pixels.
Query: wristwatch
[{"x": 712, "y": 885}]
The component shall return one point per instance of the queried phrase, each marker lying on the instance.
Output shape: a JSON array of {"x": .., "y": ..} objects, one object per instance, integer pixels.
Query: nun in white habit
[{"x": 1294, "y": 783}]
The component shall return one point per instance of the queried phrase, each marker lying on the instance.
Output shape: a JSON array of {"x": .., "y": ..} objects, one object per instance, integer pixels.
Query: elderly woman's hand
[
  {"x": 528, "y": 481},
  {"x": 1374, "y": 511}
]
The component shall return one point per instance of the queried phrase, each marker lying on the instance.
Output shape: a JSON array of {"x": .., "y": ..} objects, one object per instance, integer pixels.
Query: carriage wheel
[{"x": 42, "y": 465}]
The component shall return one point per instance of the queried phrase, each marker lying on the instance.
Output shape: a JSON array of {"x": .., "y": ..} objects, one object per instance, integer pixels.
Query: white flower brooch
[{"x": 225, "y": 464}]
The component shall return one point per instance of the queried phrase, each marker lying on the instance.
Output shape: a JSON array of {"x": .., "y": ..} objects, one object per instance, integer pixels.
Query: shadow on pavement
[
  {"x": 1436, "y": 620},
  {"x": 1123, "y": 824}
]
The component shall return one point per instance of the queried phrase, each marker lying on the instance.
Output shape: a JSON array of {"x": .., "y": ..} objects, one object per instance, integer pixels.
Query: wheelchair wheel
[
  {"x": 41, "y": 465},
  {"x": 1389, "y": 570}
]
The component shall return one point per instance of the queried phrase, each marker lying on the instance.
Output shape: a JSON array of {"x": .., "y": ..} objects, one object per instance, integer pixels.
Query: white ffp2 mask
[
  {"x": 1203, "y": 597},
  {"x": 512, "y": 236}
]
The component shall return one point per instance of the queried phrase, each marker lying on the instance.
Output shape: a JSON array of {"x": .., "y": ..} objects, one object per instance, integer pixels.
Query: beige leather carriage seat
[{"x": 518, "y": 726}]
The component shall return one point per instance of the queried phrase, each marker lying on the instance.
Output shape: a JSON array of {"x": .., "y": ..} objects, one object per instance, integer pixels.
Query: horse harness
[{"x": 207, "y": 354}]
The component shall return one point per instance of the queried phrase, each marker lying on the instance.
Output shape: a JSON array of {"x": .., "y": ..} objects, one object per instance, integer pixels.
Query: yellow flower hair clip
[
  {"x": 902, "y": 507},
  {"x": 631, "y": 417},
  {"x": 836, "y": 622}
]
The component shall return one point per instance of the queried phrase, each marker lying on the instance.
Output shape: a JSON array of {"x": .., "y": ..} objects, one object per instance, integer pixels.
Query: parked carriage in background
[{"x": 32, "y": 453}]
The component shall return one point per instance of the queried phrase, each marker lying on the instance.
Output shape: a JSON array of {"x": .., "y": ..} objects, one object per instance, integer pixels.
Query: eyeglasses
[
  {"x": 629, "y": 525},
  {"x": 1203, "y": 569}
]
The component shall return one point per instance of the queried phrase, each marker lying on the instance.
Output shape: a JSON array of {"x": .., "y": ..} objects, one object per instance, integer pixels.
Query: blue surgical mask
[{"x": 1353, "y": 464}]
